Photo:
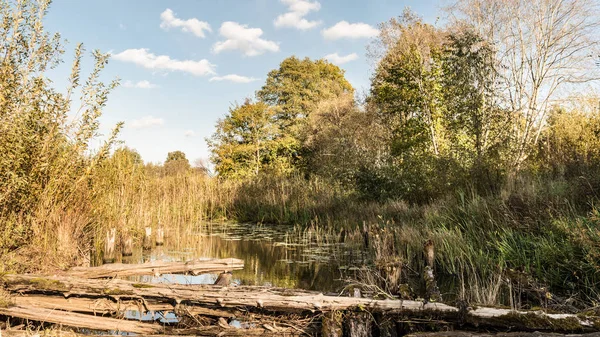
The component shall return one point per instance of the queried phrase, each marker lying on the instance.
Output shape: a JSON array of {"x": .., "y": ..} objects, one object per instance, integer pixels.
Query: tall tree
[
  {"x": 247, "y": 141},
  {"x": 406, "y": 84},
  {"x": 476, "y": 125},
  {"x": 541, "y": 46},
  {"x": 297, "y": 86}
]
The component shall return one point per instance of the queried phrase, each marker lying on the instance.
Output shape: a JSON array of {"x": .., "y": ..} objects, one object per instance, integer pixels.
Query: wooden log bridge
[
  {"x": 71, "y": 301},
  {"x": 156, "y": 268}
]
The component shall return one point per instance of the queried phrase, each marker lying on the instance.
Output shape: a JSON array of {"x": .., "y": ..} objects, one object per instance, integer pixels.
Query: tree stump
[
  {"x": 160, "y": 236},
  {"x": 359, "y": 324},
  {"x": 147, "y": 242},
  {"x": 109, "y": 246},
  {"x": 126, "y": 244}
]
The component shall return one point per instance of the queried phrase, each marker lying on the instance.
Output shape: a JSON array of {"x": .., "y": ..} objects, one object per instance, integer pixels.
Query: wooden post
[
  {"x": 359, "y": 324},
  {"x": 147, "y": 243},
  {"x": 432, "y": 293},
  {"x": 126, "y": 244},
  {"x": 109, "y": 246},
  {"x": 160, "y": 235}
]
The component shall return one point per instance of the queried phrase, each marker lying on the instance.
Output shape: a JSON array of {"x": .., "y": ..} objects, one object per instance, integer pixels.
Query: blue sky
[{"x": 184, "y": 63}]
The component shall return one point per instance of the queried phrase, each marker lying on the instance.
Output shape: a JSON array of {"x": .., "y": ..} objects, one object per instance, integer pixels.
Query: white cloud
[
  {"x": 140, "y": 84},
  {"x": 189, "y": 133},
  {"x": 297, "y": 10},
  {"x": 122, "y": 26},
  {"x": 247, "y": 40},
  {"x": 234, "y": 78},
  {"x": 343, "y": 29},
  {"x": 193, "y": 25},
  {"x": 337, "y": 59},
  {"x": 144, "y": 58},
  {"x": 146, "y": 122}
]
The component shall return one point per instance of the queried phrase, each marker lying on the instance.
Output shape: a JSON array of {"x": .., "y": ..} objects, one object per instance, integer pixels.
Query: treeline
[
  {"x": 469, "y": 106},
  {"x": 482, "y": 135}
]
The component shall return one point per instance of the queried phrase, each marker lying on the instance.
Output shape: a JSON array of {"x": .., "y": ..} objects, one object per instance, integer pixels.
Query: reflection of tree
[{"x": 265, "y": 262}]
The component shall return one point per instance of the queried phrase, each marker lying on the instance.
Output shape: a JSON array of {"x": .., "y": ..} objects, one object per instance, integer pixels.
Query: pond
[{"x": 280, "y": 256}]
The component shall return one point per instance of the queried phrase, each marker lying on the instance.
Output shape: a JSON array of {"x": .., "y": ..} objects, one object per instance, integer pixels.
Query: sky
[{"x": 183, "y": 64}]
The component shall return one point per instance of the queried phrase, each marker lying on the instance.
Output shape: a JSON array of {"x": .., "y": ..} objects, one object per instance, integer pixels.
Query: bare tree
[{"x": 542, "y": 48}]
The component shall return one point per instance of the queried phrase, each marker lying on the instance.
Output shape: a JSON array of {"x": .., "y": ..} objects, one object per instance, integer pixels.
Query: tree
[
  {"x": 406, "y": 86},
  {"x": 247, "y": 141},
  {"x": 297, "y": 86},
  {"x": 339, "y": 139},
  {"x": 176, "y": 155},
  {"x": 541, "y": 47},
  {"x": 476, "y": 126},
  {"x": 176, "y": 163}
]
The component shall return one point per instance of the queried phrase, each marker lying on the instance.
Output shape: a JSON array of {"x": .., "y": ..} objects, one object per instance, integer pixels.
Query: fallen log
[
  {"x": 105, "y": 306},
  {"x": 212, "y": 331},
  {"x": 80, "y": 320},
  {"x": 499, "y": 334},
  {"x": 275, "y": 299},
  {"x": 279, "y": 300},
  {"x": 156, "y": 268}
]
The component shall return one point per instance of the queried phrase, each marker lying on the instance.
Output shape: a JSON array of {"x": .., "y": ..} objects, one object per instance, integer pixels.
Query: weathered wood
[
  {"x": 147, "y": 241},
  {"x": 194, "y": 267},
  {"x": 126, "y": 244},
  {"x": 212, "y": 331},
  {"x": 160, "y": 236},
  {"x": 261, "y": 297},
  {"x": 109, "y": 246},
  {"x": 105, "y": 306},
  {"x": 79, "y": 320},
  {"x": 498, "y": 334},
  {"x": 286, "y": 300},
  {"x": 359, "y": 324}
]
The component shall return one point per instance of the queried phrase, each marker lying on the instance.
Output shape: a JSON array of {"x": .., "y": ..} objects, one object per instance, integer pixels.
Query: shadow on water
[{"x": 273, "y": 256}]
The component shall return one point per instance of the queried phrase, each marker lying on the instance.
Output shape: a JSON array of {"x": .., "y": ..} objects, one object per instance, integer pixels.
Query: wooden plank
[
  {"x": 80, "y": 320},
  {"x": 194, "y": 267}
]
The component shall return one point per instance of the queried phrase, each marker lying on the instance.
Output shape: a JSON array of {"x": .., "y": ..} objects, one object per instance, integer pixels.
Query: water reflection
[{"x": 273, "y": 255}]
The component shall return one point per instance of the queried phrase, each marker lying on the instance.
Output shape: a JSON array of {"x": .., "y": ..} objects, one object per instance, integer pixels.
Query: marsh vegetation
[{"x": 482, "y": 140}]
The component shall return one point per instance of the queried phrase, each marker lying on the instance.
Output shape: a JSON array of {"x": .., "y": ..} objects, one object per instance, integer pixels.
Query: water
[{"x": 273, "y": 255}]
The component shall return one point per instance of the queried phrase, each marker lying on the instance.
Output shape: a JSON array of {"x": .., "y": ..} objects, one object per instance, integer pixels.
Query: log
[
  {"x": 104, "y": 306},
  {"x": 212, "y": 331},
  {"x": 498, "y": 334},
  {"x": 287, "y": 300},
  {"x": 194, "y": 267},
  {"x": 275, "y": 299},
  {"x": 79, "y": 320}
]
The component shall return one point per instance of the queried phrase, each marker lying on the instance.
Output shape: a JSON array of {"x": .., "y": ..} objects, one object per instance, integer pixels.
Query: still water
[{"x": 273, "y": 255}]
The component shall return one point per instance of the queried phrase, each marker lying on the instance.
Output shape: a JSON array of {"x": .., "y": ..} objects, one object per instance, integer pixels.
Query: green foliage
[
  {"x": 298, "y": 86},
  {"x": 46, "y": 164},
  {"x": 248, "y": 141},
  {"x": 176, "y": 163},
  {"x": 267, "y": 135}
]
